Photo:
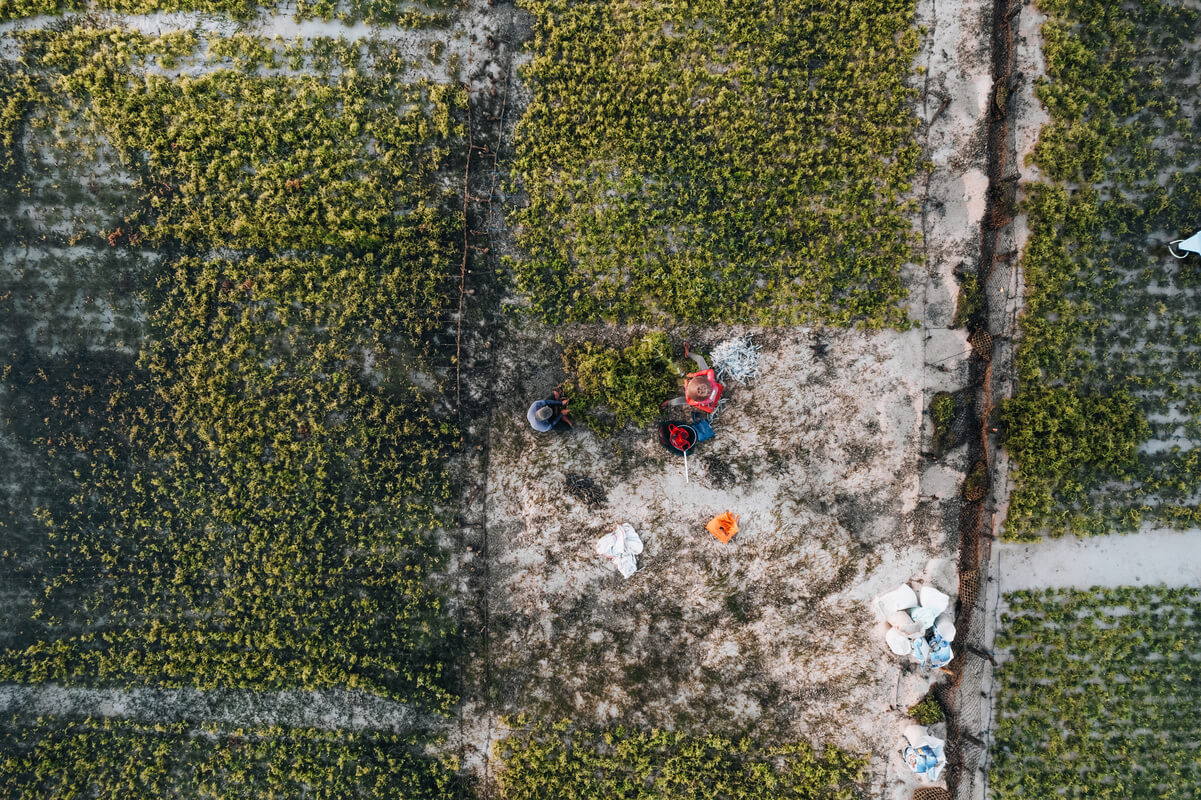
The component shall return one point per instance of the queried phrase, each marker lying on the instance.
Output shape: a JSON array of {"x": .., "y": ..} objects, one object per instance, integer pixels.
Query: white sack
[
  {"x": 925, "y": 755},
  {"x": 621, "y": 547},
  {"x": 897, "y": 642},
  {"x": 923, "y": 616},
  {"x": 914, "y": 733},
  {"x": 931, "y": 653},
  {"x": 933, "y": 603},
  {"x": 898, "y": 599},
  {"x": 945, "y": 626},
  {"x": 932, "y": 598},
  {"x": 904, "y": 623}
]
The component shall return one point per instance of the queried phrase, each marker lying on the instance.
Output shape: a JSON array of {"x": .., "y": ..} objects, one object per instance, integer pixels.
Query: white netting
[{"x": 736, "y": 360}]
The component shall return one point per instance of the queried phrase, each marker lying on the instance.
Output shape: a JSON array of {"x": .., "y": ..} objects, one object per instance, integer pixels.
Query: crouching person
[
  {"x": 550, "y": 414},
  {"x": 701, "y": 389}
]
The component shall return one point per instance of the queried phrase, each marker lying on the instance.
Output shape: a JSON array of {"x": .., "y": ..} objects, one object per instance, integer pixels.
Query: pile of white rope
[{"x": 736, "y": 360}]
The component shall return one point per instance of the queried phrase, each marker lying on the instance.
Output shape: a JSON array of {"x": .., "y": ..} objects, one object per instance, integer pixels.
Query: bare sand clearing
[
  {"x": 772, "y": 632},
  {"x": 1148, "y": 558}
]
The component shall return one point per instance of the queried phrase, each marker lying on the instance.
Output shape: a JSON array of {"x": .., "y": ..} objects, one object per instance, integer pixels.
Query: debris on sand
[
  {"x": 586, "y": 490},
  {"x": 736, "y": 359}
]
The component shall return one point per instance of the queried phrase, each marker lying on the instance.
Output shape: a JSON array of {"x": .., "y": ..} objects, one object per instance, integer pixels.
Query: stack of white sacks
[{"x": 919, "y": 626}]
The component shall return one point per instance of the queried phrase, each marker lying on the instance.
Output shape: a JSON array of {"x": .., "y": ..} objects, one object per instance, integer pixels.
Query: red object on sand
[{"x": 679, "y": 437}]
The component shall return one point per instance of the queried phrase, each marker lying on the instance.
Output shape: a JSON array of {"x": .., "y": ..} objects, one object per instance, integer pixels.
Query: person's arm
[{"x": 559, "y": 415}]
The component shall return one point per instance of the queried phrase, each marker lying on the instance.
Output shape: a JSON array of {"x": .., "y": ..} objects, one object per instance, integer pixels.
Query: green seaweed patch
[
  {"x": 611, "y": 387},
  {"x": 566, "y": 760},
  {"x": 927, "y": 711}
]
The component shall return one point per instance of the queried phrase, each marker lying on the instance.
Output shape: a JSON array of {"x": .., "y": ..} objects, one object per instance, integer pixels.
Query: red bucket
[{"x": 677, "y": 438}]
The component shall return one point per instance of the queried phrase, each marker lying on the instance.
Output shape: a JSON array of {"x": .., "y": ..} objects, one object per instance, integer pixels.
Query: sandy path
[
  {"x": 328, "y": 709},
  {"x": 1151, "y": 557}
]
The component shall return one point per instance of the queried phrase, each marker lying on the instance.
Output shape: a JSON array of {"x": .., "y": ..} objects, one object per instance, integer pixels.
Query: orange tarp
[{"x": 723, "y": 526}]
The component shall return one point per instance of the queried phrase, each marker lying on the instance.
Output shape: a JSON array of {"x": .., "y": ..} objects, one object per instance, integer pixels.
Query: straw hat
[{"x": 698, "y": 388}]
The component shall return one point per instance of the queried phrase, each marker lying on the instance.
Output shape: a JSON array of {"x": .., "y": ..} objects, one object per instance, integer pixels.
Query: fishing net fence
[{"x": 968, "y": 695}]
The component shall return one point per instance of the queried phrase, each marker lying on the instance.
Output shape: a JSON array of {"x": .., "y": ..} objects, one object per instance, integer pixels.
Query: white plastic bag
[
  {"x": 904, "y": 623},
  {"x": 898, "y": 599},
  {"x": 925, "y": 754},
  {"x": 945, "y": 626},
  {"x": 897, "y": 641},
  {"x": 621, "y": 547},
  {"x": 934, "y": 599},
  {"x": 932, "y": 603}
]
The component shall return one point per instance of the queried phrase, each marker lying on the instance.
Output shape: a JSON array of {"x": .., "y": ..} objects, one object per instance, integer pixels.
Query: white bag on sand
[
  {"x": 934, "y": 599},
  {"x": 621, "y": 547},
  {"x": 933, "y": 651},
  {"x": 945, "y": 626},
  {"x": 897, "y": 642},
  {"x": 925, "y": 755},
  {"x": 923, "y": 616},
  {"x": 933, "y": 603},
  {"x": 910, "y": 620},
  {"x": 914, "y": 733},
  {"x": 898, "y": 599},
  {"x": 904, "y": 623}
]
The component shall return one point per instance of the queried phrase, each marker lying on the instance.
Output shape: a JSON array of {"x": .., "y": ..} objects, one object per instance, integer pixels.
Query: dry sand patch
[{"x": 771, "y": 632}]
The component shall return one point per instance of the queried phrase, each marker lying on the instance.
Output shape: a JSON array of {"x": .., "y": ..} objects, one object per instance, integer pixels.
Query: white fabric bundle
[
  {"x": 898, "y": 599},
  {"x": 622, "y": 547}
]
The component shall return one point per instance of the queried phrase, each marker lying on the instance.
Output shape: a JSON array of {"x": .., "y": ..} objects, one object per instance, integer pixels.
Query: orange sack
[{"x": 723, "y": 526}]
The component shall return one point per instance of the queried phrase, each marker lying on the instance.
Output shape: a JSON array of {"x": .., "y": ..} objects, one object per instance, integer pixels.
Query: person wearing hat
[
  {"x": 549, "y": 414},
  {"x": 701, "y": 389}
]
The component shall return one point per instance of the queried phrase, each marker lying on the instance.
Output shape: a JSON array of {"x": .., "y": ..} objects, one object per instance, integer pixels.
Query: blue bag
[{"x": 703, "y": 430}]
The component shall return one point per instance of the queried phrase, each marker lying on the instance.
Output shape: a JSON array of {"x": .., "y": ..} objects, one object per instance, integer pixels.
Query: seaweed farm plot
[
  {"x": 264, "y": 535},
  {"x": 569, "y": 761},
  {"x": 57, "y": 757},
  {"x": 741, "y": 162},
  {"x": 243, "y": 489},
  {"x": 1098, "y": 695},
  {"x": 1106, "y": 425},
  {"x": 375, "y": 12}
]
